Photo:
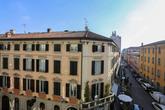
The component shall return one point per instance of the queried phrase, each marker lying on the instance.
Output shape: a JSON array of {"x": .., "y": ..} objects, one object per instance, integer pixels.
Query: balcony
[{"x": 99, "y": 102}]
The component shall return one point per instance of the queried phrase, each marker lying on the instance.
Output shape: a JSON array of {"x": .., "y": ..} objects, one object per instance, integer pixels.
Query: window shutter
[
  {"x": 47, "y": 66},
  {"x": 24, "y": 64},
  {"x": 32, "y": 85},
  {"x": 79, "y": 91},
  {"x": 16, "y": 83},
  {"x": 37, "y": 65},
  {"x": 93, "y": 67},
  {"x": 33, "y": 47},
  {"x": 33, "y": 66},
  {"x": 46, "y": 87},
  {"x": 102, "y": 66},
  {"x": 67, "y": 90},
  {"x": 37, "y": 85},
  {"x": 57, "y": 88},
  {"x": 24, "y": 46},
  {"x": 79, "y": 47},
  {"x": 8, "y": 47},
  {"x": 67, "y": 47},
  {"x": 24, "y": 84},
  {"x": 93, "y": 91},
  {"x": 8, "y": 82},
  {"x": 73, "y": 67},
  {"x": 47, "y": 47},
  {"x": 57, "y": 66},
  {"x": 102, "y": 90},
  {"x": 94, "y": 48},
  {"x": 37, "y": 47},
  {"x": 1, "y": 81},
  {"x": 102, "y": 48}
]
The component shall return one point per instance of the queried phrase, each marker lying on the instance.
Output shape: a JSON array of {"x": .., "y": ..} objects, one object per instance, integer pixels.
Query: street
[{"x": 139, "y": 96}]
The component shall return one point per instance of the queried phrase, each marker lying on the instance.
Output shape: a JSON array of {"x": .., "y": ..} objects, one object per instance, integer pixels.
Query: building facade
[
  {"x": 152, "y": 63},
  {"x": 117, "y": 39},
  {"x": 49, "y": 70}
]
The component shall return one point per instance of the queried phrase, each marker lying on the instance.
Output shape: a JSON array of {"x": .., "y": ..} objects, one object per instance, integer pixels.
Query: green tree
[{"x": 87, "y": 92}]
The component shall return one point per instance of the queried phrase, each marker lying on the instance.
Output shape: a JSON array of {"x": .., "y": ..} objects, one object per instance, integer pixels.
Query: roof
[
  {"x": 156, "y": 43},
  {"x": 57, "y": 35}
]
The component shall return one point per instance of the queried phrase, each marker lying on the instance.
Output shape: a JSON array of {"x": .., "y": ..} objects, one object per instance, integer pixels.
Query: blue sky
[{"x": 103, "y": 16}]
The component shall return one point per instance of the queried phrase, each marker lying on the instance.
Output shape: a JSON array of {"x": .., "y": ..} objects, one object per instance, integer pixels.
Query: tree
[{"x": 87, "y": 92}]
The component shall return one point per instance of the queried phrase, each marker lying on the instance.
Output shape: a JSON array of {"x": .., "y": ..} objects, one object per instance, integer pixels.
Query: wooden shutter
[
  {"x": 102, "y": 48},
  {"x": 93, "y": 91},
  {"x": 67, "y": 47},
  {"x": 93, "y": 67},
  {"x": 33, "y": 47},
  {"x": 37, "y": 47},
  {"x": 16, "y": 83},
  {"x": 57, "y": 88},
  {"x": 8, "y": 82},
  {"x": 57, "y": 66},
  {"x": 1, "y": 77},
  {"x": 33, "y": 66},
  {"x": 79, "y": 91},
  {"x": 102, "y": 66},
  {"x": 24, "y": 64},
  {"x": 47, "y": 66},
  {"x": 73, "y": 67},
  {"x": 94, "y": 48},
  {"x": 47, "y": 47},
  {"x": 67, "y": 90},
  {"x": 24, "y": 84},
  {"x": 24, "y": 46},
  {"x": 37, "y": 65},
  {"x": 46, "y": 87},
  {"x": 102, "y": 90},
  {"x": 79, "y": 47},
  {"x": 37, "y": 85},
  {"x": 8, "y": 47},
  {"x": 32, "y": 85}
]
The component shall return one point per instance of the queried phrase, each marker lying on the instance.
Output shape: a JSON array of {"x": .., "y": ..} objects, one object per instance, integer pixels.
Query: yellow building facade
[{"x": 152, "y": 63}]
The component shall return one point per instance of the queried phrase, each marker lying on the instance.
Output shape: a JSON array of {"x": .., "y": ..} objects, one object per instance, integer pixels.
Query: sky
[{"x": 136, "y": 21}]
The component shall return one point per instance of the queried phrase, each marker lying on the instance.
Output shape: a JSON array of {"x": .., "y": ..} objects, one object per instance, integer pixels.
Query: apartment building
[
  {"x": 49, "y": 70},
  {"x": 152, "y": 63}
]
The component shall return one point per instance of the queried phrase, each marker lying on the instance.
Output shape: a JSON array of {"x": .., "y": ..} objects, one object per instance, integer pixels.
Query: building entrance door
[{"x": 5, "y": 102}]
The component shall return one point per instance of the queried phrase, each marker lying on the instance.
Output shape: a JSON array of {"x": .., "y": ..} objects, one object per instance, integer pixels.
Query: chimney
[
  {"x": 8, "y": 34},
  {"x": 12, "y": 31},
  {"x": 142, "y": 44},
  {"x": 49, "y": 30}
]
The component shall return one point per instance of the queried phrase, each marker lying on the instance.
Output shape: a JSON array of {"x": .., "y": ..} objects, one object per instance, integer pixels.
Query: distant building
[
  {"x": 152, "y": 63},
  {"x": 50, "y": 70},
  {"x": 117, "y": 39}
]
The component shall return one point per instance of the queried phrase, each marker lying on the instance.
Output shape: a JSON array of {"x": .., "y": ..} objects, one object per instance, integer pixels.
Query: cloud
[{"x": 144, "y": 24}]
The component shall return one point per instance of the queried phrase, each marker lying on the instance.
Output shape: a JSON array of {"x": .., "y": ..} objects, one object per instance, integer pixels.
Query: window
[
  {"x": 16, "y": 63},
  {"x": 5, "y": 63},
  {"x": 73, "y": 90},
  {"x": 16, "y": 47},
  {"x": 158, "y": 73},
  {"x": 56, "y": 107},
  {"x": 152, "y": 60},
  {"x": 28, "y": 47},
  {"x": 28, "y": 64},
  {"x": 145, "y": 59},
  {"x": 57, "y": 66},
  {"x": 148, "y": 50},
  {"x": 57, "y": 88},
  {"x": 16, "y": 83},
  {"x": 153, "y": 50},
  {"x": 152, "y": 71},
  {"x": 42, "y": 47},
  {"x": 73, "y": 67},
  {"x": 97, "y": 90},
  {"x": 158, "y": 61},
  {"x": 16, "y": 104},
  {"x": 98, "y": 48},
  {"x": 5, "y": 81},
  {"x": 5, "y": 47},
  {"x": 74, "y": 47},
  {"x": 42, "y": 86},
  {"x": 97, "y": 67},
  {"x": 159, "y": 50},
  {"x": 148, "y": 69},
  {"x": 57, "y": 47},
  {"x": 148, "y": 59},
  {"x": 28, "y": 84},
  {"x": 42, "y": 65}
]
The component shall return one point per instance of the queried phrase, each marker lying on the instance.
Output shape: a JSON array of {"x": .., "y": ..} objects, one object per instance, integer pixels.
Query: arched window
[
  {"x": 71, "y": 108},
  {"x": 56, "y": 107},
  {"x": 16, "y": 104},
  {"x": 42, "y": 106}
]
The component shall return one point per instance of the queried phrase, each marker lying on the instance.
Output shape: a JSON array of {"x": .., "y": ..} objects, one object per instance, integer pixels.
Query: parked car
[
  {"x": 158, "y": 106},
  {"x": 147, "y": 86},
  {"x": 137, "y": 107},
  {"x": 158, "y": 96}
]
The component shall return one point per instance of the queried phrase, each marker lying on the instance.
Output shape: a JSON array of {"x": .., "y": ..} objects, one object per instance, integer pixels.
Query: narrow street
[{"x": 139, "y": 95}]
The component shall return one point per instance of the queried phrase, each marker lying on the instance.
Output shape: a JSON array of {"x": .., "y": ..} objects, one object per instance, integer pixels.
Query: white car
[
  {"x": 158, "y": 106},
  {"x": 158, "y": 96}
]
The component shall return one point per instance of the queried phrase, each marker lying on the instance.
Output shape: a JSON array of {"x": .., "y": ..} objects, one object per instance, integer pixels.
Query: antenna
[
  {"x": 24, "y": 26},
  {"x": 86, "y": 24}
]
